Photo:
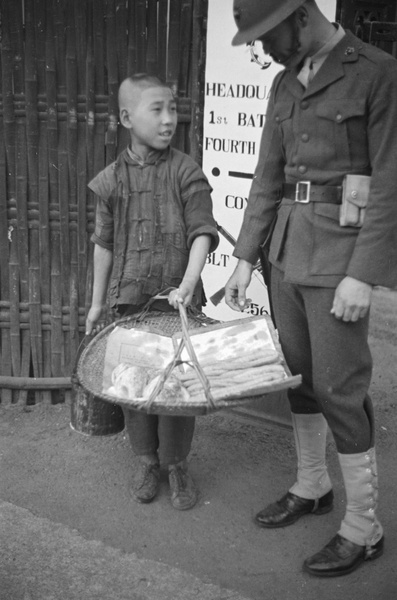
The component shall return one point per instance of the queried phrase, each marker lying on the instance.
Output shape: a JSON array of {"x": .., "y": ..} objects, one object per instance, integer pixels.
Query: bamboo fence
[{"x": 61, "y": 64}]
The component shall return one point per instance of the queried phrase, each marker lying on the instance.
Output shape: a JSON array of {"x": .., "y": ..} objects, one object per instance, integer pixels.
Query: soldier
[{"x": 332, "y": 113}]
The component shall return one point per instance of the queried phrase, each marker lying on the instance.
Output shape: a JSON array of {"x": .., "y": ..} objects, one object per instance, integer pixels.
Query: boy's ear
[{"x": 125, "y": 118}]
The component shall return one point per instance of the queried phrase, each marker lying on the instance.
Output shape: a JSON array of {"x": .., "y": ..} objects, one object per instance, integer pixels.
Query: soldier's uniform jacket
[{"x": 345, "y": 122}]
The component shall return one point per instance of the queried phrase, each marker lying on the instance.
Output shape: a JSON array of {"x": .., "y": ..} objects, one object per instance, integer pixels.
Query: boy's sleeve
[
  {"x": 197, "y": 203},
  {"x": 102, "y": 186}
]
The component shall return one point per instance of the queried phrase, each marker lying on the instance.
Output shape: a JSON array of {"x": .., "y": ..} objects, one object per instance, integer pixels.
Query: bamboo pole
[
  {"x": 16, "y": 24},
  {"x": 52, "y": 108},
  {"x": 40, "y": 40},
  {"x": 81, "y": 226},
  {"x": 121, "y": 38},
  {"x": 174, "y": 46},
  {"x": 162, "y": 38},
  {"x": 197, "y": 81},
  {"x": 22, "y": 237},
  {"x": 5, "y": 347},
  {"x": 70, "y": 199},
  {"x": 35, "y": 383},
  {"x": 81, "y": 10},
  {"x": 84, "y": 245},
  {"x": 132, "y": 61},
  {"x": 82, "y": 166},
  {"x": 152, "y": 66},
  {"x": 44, "y": 241},
  {"x": 57, "y": 16},
  {"x": 140, "y": 33},
  {"x": 95, "y": 75},
  {"x": 48, "y": 192},
  {"x": 9, "y": 141},
  {"x": 185, "y": 47},
  {"x": 32, "y": 135},
  {"x": 113, "y": 82},
  {"x": 43, "y": 200},
  {"x": 99, "y": 54},
  {"x": 63, "y": 278},
  {"x": 90, "y": 94}
]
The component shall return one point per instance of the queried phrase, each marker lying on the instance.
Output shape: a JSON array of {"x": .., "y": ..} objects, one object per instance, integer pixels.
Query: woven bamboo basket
[{"x": 182, "y": 326}]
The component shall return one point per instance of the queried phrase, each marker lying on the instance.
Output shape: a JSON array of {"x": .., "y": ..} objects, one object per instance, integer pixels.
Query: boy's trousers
[{"x": 170, "y": 437}]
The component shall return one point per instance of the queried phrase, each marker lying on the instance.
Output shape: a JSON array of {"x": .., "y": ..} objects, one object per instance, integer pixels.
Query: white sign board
[{"x": 236, "y": 96}]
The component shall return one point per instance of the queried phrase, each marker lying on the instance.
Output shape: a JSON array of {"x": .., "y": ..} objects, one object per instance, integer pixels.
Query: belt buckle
[{"x": 306, "y": 185}]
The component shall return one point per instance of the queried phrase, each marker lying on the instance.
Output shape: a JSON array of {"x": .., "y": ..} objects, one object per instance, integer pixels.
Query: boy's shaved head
[{"x": 131, "y": 88}]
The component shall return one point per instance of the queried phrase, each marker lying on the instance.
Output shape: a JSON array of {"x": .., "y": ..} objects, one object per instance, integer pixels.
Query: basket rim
[{"x": 196, "y": 408}]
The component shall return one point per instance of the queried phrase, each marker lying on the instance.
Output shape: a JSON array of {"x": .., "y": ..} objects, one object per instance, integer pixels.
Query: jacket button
[
  {"x": 302, "y": 169},
  {"x": 305, "y": 137},
  {"x": 339, "y": 118},
  {"x": 304, "y": 104}
]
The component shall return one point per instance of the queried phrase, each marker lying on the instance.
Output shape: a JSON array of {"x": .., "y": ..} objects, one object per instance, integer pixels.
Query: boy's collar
[{"x": 152, "y": 158}]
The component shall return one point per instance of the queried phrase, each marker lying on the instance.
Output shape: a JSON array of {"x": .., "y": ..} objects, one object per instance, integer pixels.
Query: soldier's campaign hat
[{"x": 254, "y": 18}]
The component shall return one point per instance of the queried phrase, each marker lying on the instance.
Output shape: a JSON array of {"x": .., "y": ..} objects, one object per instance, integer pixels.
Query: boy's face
[{"x": 151, "y": 117}]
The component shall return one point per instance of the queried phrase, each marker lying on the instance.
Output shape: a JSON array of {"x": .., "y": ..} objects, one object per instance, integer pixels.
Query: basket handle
[
  {"x": 185, "y": 342},
  {"x": 193, "y": 357}
]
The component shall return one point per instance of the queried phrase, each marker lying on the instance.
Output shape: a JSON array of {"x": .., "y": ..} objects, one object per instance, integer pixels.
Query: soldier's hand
[
  {"x": 236, "y": 287},
  {"x": 352, "y": 299}
]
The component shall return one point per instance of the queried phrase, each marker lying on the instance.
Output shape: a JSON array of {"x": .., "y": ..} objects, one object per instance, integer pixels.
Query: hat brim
[{"x": 253, "y": 33}]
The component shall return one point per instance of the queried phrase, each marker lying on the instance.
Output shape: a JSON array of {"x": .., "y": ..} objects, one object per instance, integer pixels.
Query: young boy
[{"x": 154, "y": 228}]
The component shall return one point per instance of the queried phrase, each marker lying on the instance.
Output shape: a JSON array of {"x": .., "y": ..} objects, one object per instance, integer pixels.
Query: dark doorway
[{"x": 372, "y": 21}]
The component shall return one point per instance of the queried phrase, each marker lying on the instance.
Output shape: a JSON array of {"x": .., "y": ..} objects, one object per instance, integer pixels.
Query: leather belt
[{"x": 305, "y": 192}]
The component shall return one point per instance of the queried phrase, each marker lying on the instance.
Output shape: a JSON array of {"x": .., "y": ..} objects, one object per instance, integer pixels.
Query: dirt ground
[{"x": 239, "y": 464}]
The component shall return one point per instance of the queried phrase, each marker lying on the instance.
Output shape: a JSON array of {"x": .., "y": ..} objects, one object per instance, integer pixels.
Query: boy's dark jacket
[{"x": 148, "y": 215}]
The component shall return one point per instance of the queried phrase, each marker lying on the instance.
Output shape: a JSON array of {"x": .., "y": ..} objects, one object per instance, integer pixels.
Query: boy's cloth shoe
[
  {"x": 183, "y": 490},
  {"x": 290, "y": 508},
  {"x": 146, "y": 483},
  {"x": 340, "y": 557}
]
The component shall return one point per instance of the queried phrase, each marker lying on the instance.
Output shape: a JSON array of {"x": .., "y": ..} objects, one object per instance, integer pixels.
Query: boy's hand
[
  {"x": 183, "y": 295},
  {"x": 94, "y": 315}
]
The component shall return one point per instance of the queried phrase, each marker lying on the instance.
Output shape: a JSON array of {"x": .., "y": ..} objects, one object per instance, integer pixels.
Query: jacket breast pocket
[
  {"x": 343, "y": 124},
  {"x": 283, "y": 118},
  {"x": 333, "y": 245}
]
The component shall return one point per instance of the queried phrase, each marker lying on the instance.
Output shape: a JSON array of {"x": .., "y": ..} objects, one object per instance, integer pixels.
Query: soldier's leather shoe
[
  {"x": 290, "y": 508},
  {"x": 340, "y": 557}
]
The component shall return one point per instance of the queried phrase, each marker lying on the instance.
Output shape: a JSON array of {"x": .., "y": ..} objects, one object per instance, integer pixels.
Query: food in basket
[
  {"x": 172, "y": 392},
  {"x": 137, "y": 383},
  {"x": 236, "y": 376},
  {"x": 129, "y": 381}
]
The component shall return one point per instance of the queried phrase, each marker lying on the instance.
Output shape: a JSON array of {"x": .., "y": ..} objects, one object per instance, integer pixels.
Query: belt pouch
[{"x": 355, "y": 192}]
